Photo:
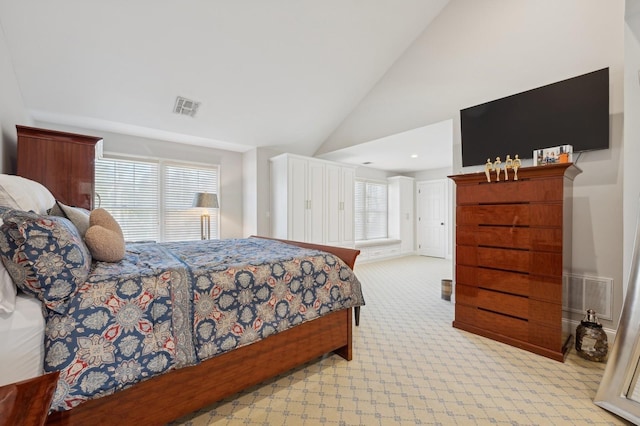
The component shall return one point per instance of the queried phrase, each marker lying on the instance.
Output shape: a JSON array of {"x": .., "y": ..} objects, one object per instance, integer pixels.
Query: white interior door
[{"x": 431, "y": 220}]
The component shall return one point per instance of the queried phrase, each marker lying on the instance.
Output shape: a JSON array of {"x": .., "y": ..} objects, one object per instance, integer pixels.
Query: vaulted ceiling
[
  {"x": 349, "y": 80},
  {"x": 277, "y": 73}
]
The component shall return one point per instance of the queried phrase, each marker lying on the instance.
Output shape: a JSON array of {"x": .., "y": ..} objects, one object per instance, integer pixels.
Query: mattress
[{"x": 22, "y": 337}]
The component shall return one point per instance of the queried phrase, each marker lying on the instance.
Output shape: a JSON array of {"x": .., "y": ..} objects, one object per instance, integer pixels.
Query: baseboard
[
  {"x": 611, "y": 333},
  {"x": 360, "y": 261}
]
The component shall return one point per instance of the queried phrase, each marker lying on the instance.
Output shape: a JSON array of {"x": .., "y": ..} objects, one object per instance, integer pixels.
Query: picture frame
[{"x": 553, "y": 155}]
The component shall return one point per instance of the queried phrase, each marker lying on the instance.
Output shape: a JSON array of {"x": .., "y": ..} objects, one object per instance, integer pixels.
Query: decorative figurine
[
  {"x": 508, "y": 164},
  {"x": 496, "y": 167},
  {"x": 487, "y": 169},
  {"x": 515, "y": 166}
]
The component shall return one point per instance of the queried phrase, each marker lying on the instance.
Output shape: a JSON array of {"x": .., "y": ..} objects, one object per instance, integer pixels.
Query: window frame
[
  {"x": 161, "y": 175},
  {"x": 385, "y": 223}
]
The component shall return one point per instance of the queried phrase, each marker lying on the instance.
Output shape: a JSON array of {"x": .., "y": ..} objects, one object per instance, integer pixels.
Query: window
[
  {"x": 152, "y": 200},
  {"x": 370, "y": 210},
  {"x": 180, "y": 184},
  {"x": 129, "y": 191}
]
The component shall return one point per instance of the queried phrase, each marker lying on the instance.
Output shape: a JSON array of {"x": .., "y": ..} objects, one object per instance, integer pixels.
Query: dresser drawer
[
  {"x": 536, "y": 333},
  {"x": 543, "y": 263},
  {"x": 534, "y": 286},
  {"x": 493, "y": 214},
  {"x": 493, "y": 236},
  {"x": 508, "y": 282},
  {"x": 508, "y": 304},
  {"x": 548, "y": 215},
  {"x": 510, "y": 191},
  {"x": 501, "y": 324},
  {"x": 544, "y": 239},
  {"x": 510, "y": 260}
]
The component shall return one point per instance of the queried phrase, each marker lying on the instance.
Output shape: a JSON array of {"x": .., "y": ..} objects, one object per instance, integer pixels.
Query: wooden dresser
[
  {"x": 513, "y": 243},
  {"x": 63, "y": 162}
]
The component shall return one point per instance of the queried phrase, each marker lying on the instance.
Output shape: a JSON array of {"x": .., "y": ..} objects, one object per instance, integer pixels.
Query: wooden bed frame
[{"x": 177, "y": 393}]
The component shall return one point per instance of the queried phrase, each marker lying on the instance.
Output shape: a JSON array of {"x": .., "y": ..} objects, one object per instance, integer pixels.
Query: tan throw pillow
[{"x": 104, "y": 237}]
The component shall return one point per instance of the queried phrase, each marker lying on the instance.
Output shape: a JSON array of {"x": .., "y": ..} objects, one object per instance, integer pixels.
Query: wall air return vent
[
  {"x": 582, "y": 292},
  {"x": 186, "y": 106}
]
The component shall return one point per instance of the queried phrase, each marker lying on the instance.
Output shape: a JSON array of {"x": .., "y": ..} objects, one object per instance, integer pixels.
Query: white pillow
[
  {"x": 7, "y": 291},
  {"x": 77, "y": 215},
  {"x": 22, "y": 194},
  {"x": 25, "y": 194}
]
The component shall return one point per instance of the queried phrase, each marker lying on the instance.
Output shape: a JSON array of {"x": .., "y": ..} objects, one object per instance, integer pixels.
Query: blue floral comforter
[{"x": 171, "y": 305}]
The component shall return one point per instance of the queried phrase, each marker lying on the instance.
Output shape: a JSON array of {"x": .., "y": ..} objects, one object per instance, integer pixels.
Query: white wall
[
  {"x": 230, "y": 191},
  {"x": 256, "y": 191},
  {"x": 374, "y": 174},
  {"x": 477, "y": 51},
  {"x": 432, "y": 174},
  {"x": 12, "y": 110},
  {"x": 249, "y": 192},
  {"x": 597, "y": 216},
  {"x": 631, "y": 200}
]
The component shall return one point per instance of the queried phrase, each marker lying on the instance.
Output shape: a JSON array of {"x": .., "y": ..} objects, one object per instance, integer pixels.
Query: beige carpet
[{"x": 411, "y": 366}]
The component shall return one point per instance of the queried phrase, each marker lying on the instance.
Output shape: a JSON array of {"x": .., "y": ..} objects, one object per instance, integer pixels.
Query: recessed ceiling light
[{"x": 414, "y": 155}]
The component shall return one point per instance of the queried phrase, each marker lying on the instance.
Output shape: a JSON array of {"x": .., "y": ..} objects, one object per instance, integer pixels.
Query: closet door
[
  {"x": 406, "y": 216},
  {"x": 334, "y": 233},
  {"x": 315, "y": 202},
  {"x": 347, "y": 207},
  {"x": 312, "y": 200},
  {"x": 298, "y": 201},
  {"x": 340, "y": 181}
]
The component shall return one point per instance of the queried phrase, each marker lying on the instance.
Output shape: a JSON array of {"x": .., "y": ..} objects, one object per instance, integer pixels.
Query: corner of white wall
[
  {"x": 631, "y": 147},
  {"x": 12, "y": 109},
  {"x": 249, "y": 191}
]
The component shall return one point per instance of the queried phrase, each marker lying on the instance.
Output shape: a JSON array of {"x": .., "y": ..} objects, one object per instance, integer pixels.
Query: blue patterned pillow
[{"x": 44, "y": 255}]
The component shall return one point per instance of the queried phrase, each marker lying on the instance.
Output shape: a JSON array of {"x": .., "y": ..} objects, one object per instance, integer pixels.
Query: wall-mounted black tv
[{"x": 570, "y": 112}]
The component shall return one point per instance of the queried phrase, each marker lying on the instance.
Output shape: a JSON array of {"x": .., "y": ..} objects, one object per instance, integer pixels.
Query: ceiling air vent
[{"x": 186, "y": 106}]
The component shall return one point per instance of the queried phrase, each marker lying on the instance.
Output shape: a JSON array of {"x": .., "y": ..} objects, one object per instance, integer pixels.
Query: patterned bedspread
[{"x": 171, "y": 305}]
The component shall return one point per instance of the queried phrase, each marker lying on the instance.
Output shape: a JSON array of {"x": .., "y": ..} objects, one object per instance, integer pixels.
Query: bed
[
  {"x": 21, "y": 334},
  {"x": 174, "y": 327}
]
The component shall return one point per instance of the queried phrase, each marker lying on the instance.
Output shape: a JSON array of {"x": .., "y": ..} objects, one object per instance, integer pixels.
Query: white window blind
[
  {"x": 152, "y": 200},
  {"x": 129, "y": 191},
  {"x": 370, "y": 210},
  {"x": 180, "y": 184}
]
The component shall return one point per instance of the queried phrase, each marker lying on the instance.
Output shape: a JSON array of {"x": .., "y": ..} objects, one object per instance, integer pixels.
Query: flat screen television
[{"x": 570, "y": 112}]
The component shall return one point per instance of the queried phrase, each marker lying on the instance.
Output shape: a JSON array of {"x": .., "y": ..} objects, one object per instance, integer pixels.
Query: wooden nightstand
[{"x": 27, "y": 403}]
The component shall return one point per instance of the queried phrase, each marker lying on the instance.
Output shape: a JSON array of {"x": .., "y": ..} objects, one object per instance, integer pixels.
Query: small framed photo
[{"x": 553, "y": 155}]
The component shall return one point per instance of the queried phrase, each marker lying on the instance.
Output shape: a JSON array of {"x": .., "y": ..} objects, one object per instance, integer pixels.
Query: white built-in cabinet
[
  {"x": 312, "y": 200},
  {"x": 340, "y": 205},
  {"x": 400, "y": 197}
]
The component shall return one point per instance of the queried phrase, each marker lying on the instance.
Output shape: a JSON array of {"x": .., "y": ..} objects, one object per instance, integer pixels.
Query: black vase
[{"x": 591, "y": 340}]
